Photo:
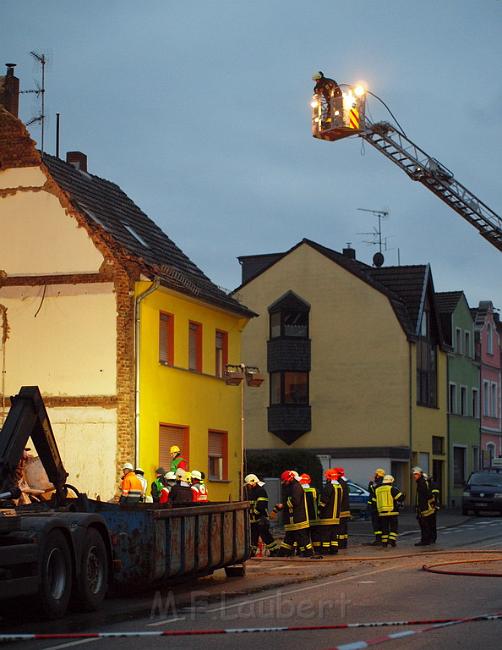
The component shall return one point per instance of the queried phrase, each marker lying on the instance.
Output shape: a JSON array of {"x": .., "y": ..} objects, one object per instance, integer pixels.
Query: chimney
[
  {"x": 77, "y": 159},
  {"x": 9, "y": 90},
  {"x": 349, "y": 252}
]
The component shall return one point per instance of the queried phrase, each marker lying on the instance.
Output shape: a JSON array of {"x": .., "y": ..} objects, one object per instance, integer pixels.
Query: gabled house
[
  {"x": 463, "y": 391},
  {"x": 126, "y": 337},
  {"x": 488, "y": 346},
  {"x": 355, "y": 358}
]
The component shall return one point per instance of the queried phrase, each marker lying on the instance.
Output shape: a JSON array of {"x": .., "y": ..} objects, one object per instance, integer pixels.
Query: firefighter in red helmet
[
  {"x": 329, "y": 514},
  {"x": 296, "y": 518},
  {"x": 343, "y": 532}
]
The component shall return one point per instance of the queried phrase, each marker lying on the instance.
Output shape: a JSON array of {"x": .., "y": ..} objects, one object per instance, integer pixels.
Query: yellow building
[
  {"x": 355, "y": 361},
  {"x": 125, "y": 336}
]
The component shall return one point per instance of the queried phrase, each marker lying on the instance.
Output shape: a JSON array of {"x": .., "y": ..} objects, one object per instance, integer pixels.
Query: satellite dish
[{"x": 378, "y": 259}]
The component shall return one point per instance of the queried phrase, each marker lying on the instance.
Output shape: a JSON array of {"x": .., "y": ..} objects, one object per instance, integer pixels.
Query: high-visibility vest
[
  {"x": 200, "y": 491},
  {"x": 131, "y": 487},
  {"x": 180, "y": 462}
]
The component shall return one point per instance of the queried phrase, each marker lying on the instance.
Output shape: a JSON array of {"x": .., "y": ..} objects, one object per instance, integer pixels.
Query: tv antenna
[
  {"x": 376, "y": 234},
  {"x": 39, "y": 91}
]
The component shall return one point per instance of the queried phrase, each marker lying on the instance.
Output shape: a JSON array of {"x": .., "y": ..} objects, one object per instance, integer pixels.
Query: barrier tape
[
  {"x": 435, "y": 623},
  {"x": 360, "y": 645}
]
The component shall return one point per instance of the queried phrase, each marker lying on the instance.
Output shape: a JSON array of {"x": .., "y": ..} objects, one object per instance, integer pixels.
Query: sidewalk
[{"x": 446, "y": 518}]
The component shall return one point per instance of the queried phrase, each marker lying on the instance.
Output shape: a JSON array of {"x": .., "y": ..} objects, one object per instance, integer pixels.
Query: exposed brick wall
[
  {"x": 126, "y": 376},
  {"x": 17, "y": 149}
]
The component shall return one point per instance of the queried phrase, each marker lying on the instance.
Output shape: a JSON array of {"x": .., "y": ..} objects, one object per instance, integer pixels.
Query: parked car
[
  {"x": 358, "y": 497},
  {"x": 483, "y": 493}
]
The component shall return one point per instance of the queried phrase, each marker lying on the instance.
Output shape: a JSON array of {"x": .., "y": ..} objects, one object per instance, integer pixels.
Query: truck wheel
[
  {"x": 56, "y": 576},
  {"x": 236, "y": 571},
  {"x": 92, "y": 579}
]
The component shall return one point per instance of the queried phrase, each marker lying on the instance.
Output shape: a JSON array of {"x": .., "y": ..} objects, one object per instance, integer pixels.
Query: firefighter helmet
[
  {"x": 317, "y": 75},
  {"x": 170, "y": 476},
  {"x": 380, "y": 472},
  {"x": 127, "y": 466},
  {"x": 305, "y": 479},
  {"x": 331, "y": 474},
  {"x": 340, "y": 470},
  {"x": 417, "y": 470},
  {"x": 196, "y": 475},
  {"x": 175, "y": 450},
  {"x": 139, "y": 470},
  {"x": 180, "y": 474},
  {"x": 388, "y": 479},
  {"x": 288, "y": 476}
]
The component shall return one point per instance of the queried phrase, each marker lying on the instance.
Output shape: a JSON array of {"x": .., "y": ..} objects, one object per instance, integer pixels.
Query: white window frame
[
  {"x": 493, "y": 399},
  {"x": 486, "y": 398},
  {"x": 475, "y": 403},
  {"x": 452, "y": 406},
  {"x": 467, "y": 343},
  {"x": 464, "y": 406}
]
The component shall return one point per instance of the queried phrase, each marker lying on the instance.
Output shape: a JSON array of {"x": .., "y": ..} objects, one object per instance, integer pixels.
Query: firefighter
[
  {"x": 375, "y": 519},
  {"x": 388, "y": 500},
  {"x": 181, "y": 492},
  {"x": 140, "y": 473},
  {"x": 329, "y": 514},
  {"x": 158, "y": 484},
  {"x": 311, "y": 495},
  {"x": 177, "y": 459},
  {"x": 258, "y": 515},
  {"x": 296, "y": 518},
  {"x": 331, "y": 93},
  {"x": 130, "y": 485},
  {"x": 170, "y": 479},
  {"x": 343, "y": 535},
  {"x": 198, "y": 487},
  {"x": 437, "y": 504},
  {"x": 425, "y": 507}
]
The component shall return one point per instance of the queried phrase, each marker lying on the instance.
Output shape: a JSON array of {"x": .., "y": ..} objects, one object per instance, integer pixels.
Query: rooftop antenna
[
  {"x": 39, "y": 91},
  {"x": 378, "y": 258}
]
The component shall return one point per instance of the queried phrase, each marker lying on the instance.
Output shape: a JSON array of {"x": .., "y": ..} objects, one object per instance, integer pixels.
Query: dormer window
[
  {"x": 137, "y": 237},
  {"x": 289, "y": 318}
]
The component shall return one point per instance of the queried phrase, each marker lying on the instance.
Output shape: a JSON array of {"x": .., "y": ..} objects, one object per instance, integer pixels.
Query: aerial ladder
[{"x": 332, "y": 120}]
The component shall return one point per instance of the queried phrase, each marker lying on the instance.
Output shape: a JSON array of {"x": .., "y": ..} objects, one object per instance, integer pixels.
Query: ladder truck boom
[{"x": 330, "y": 122}]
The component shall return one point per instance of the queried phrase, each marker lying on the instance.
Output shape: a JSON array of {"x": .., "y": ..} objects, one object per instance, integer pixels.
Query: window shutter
[
  {"x": 169, "y": 436},
  {"x": 215, "y": 444}
]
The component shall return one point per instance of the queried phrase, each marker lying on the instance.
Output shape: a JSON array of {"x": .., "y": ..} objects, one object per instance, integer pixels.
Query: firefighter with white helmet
[
  {"x": 258, "y": 514},
  {"x": 140, "y": 473},
  {"x": 198, "y": 487},
  {"x": 388, "y": 499},
  {"x": 331, "y": 98},
  {"x": 425, "y": 505},
  {"x": 131, "y": 488},
  {"x": 170, "y": 479}
]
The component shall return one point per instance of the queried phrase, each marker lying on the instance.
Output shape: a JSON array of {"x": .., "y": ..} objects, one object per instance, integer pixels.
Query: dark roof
[
  {"x": 405, "y": 286},
  {"x": 447, "y": 301},
  {"x": 106, "y": 207}
]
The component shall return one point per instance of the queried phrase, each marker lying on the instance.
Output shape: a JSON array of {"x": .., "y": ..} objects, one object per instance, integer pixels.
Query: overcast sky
[{"x": 200, "y": 111}]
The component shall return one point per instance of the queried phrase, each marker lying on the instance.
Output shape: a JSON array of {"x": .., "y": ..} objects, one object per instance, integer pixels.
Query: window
[
  {"x": 170, "y": 434},
  {"x": 489, "y": 338},
  {"x": 426, "y": 364},
  {"x": 493, "y": 400},
  {"x": 217, "y": 447},
  {"x": 486, "y": 398},
  {"x": 459, "y": 466},
  {"x": 438, "y": 445},
  {"x": 136, "y": 236},
  {"x": 467, "y": 344},
  {"x": 166, "y": 339},
  {"x": 221, "y": 352},
  {"x": 458, "y": 340},
  {"x": 289, "y": 317},
  {"x": 289, "y": 387},
  {"x": 195, "y": 346},
  {"x": 475, "y": 459},
  {"x": 490, "y": 448},
  {"x": 463, "y": 400},
  {"x": 452, "y": 406},
  {"x": 475, "y": 403}
]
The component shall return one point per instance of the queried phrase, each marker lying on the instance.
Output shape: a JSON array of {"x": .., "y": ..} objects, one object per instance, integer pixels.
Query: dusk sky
[{"x": 199, "y": 110}]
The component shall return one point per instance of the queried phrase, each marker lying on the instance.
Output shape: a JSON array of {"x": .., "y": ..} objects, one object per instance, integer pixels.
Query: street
[{"x": 360, "y": 585}]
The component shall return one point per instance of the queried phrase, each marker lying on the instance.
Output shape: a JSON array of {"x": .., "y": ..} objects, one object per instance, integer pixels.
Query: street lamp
[{"x": 234, "y": 375}]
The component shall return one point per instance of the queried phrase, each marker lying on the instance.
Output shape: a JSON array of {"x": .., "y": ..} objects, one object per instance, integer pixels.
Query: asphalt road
[{"x": 372, "y": 585}]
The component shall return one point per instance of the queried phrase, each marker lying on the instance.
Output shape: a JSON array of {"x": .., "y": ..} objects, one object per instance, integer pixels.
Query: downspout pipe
[{"x": 137, "y": 359}]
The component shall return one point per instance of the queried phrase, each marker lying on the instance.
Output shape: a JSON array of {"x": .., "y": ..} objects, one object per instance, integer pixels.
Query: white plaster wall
[
  {"x": 63, "y": 342},
  {"x": 37, "y": 237},
  {"x": 87, "y": 441},
  {"x": 361, "y": 470}
]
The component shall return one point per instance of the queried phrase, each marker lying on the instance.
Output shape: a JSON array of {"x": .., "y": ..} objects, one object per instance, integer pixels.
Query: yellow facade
[{"x": 176, "y": 396}]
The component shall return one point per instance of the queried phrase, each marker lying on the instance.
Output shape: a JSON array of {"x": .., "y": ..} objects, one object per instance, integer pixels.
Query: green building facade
[{"x": 463, "y": 392}]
